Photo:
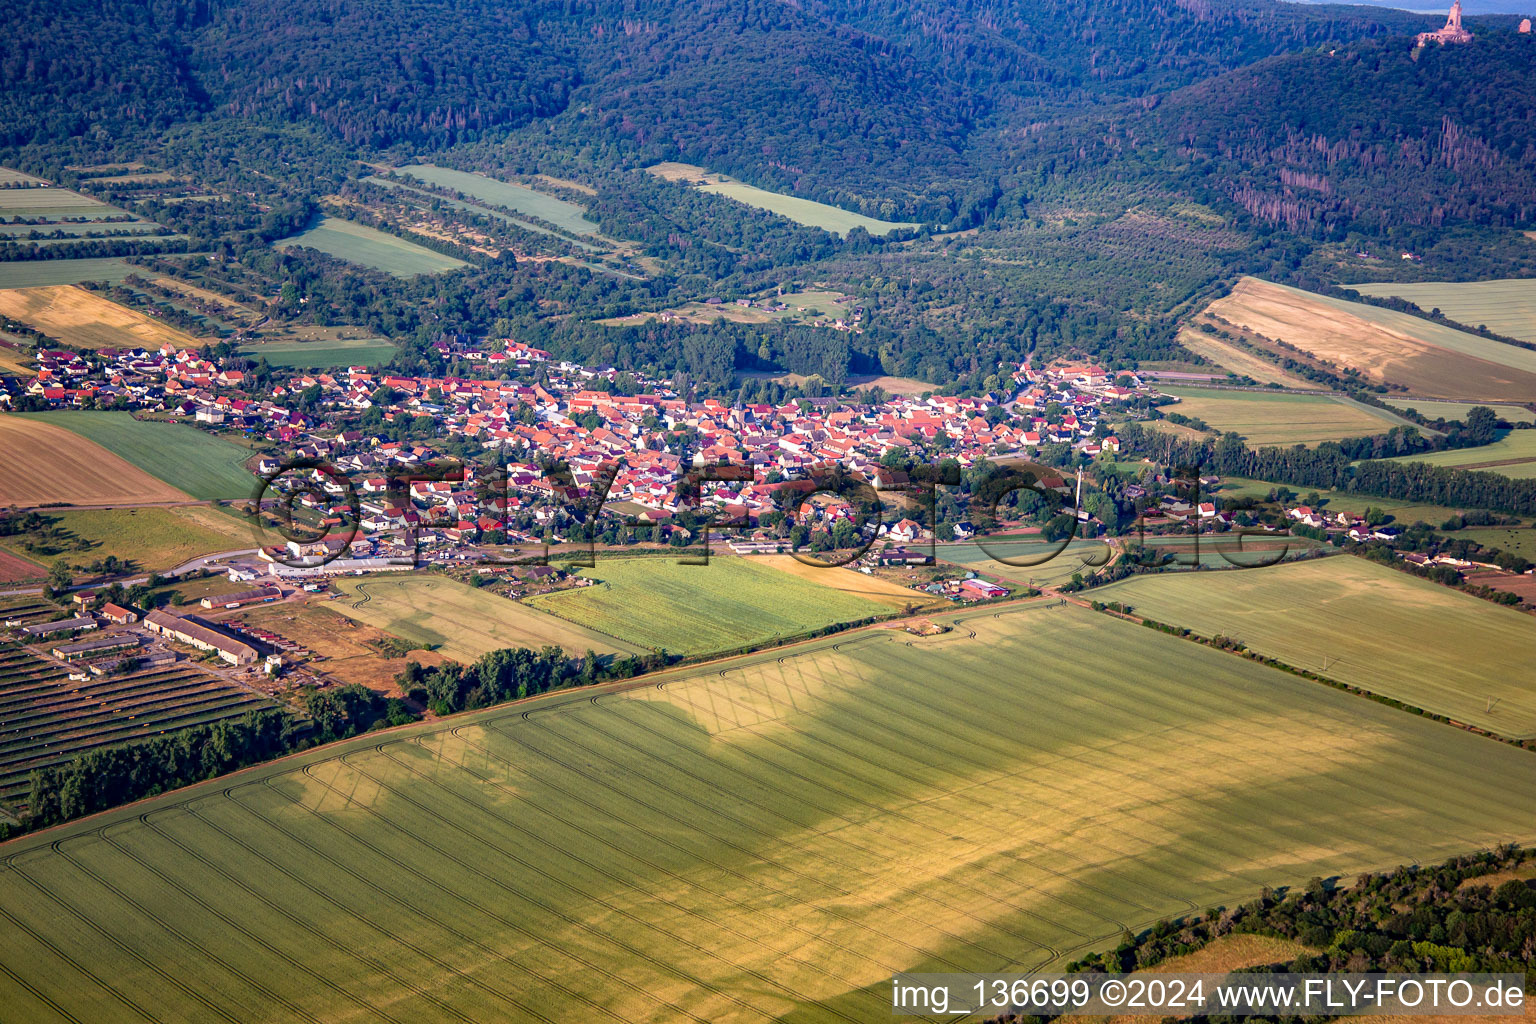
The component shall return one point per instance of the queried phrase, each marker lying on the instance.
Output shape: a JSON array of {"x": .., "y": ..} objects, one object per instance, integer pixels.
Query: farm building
[
  {"x": 979, "y": 589},
  {"x": 118, "y": 615},
  {"x": 258, "y": 596},
  {"x": 96, "y": 646},
  {"x": 78, "y": 625},
  {"x": 204, "y": 638}
]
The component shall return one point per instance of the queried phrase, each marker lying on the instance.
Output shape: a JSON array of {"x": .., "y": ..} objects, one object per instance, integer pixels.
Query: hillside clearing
[
  {"x": 760, "y": 841},
  {"x": 1366, "y": 625},
  {"x": 369, "y": 247},
  {"x": 564, "y": 215},
  {"x": 801, "y": 211}
]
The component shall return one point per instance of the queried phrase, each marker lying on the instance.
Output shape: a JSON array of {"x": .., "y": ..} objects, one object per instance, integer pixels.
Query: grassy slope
[
  {"x": 368, "y": 247},
  {"x": 459, "y": 621},
  {"x": 564, "y": 215},
  {"x": 1517, "y": 449},
  {"x": 185, "y": 457},
  {"x": 1378, "y": 628},
  {"x": 767, "y": 845},
  {"x": 693, "y": 609}
]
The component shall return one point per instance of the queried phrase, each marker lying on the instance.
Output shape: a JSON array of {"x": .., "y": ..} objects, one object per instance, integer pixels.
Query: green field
[
  {"x": 150, "y": 538},
  {"x": 20, "y": 231},
  {"x": 202, "y": 465},
  {"x": 459, "y": 621},
  {"x": 763, "y": 842},
  {"x": 52, "y": 203},
  {"x": 1264, "y": 418},
  {"x": 801, "y": 211},
  {"x": 323, "y": 354},
  {"x": 1370, "y": 625},
  {"x": 564, "y": 215},
  {"x": 697, "y": 609},
  {"x": 1512, "y": 455},
  {"x": 43, "y": 273},
  {"x": 368, "y": 247},
  {"x": 1403, "y": 513},
  {"x": 1504, "y": 307},
  {"x": 1459, "y": 410}
]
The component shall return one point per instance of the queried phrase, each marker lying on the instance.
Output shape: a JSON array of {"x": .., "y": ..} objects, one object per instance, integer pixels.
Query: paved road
[{"x": 200, "y": 562}]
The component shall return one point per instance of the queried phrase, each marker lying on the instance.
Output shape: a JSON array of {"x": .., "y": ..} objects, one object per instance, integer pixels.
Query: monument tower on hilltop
[{"x": 1453, "y": 31}]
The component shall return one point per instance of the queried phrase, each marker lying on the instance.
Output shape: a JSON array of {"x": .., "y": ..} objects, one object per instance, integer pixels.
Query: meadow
[
  {"x": 1264, "y": 418},
  {"x": 151, "y": 538},
  {"x": 764, "y": 840},
  {"x": 1459, "y": 410},
  {"x": 459, "y": 621},
  {"x": 47, "y": 719},
  {"x": 369, "y": 247},
  {"x": 1364, "y": 624},
  {"x": 46, "y": 463},
  {"x": 191, "y": 460},
  {"x": 1504, "y": 307},
  {"x": 85, "y": 319},
  {"x": 318, "y": 355},
  {"x": 46, "y": 273},
  {"x": 564, "y": 215},
  {"x": 697, "y": 609},
  {"x": 801, "y": 211},
  {"x": 1512, "y": 455},
  {"x": 1427, "y": 358}
]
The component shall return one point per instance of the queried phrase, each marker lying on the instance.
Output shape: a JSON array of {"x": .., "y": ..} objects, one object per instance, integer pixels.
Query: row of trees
[{"x": 1414, "y": 919}]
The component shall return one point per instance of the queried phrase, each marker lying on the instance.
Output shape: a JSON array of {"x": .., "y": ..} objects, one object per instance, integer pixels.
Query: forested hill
[
  {"x": 883, "y": 106},
  {"x": 1369, "y": 137}
]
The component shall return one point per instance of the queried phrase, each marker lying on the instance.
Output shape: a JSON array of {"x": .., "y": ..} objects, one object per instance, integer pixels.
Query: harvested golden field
[
  {"x": 45, "y": 463},
  {"x": 1239, "y": 361},
  {"x": 850, "y": 581},
  {"x": 87, "y": 320},
  {"x": 1395, "y": 348}
]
